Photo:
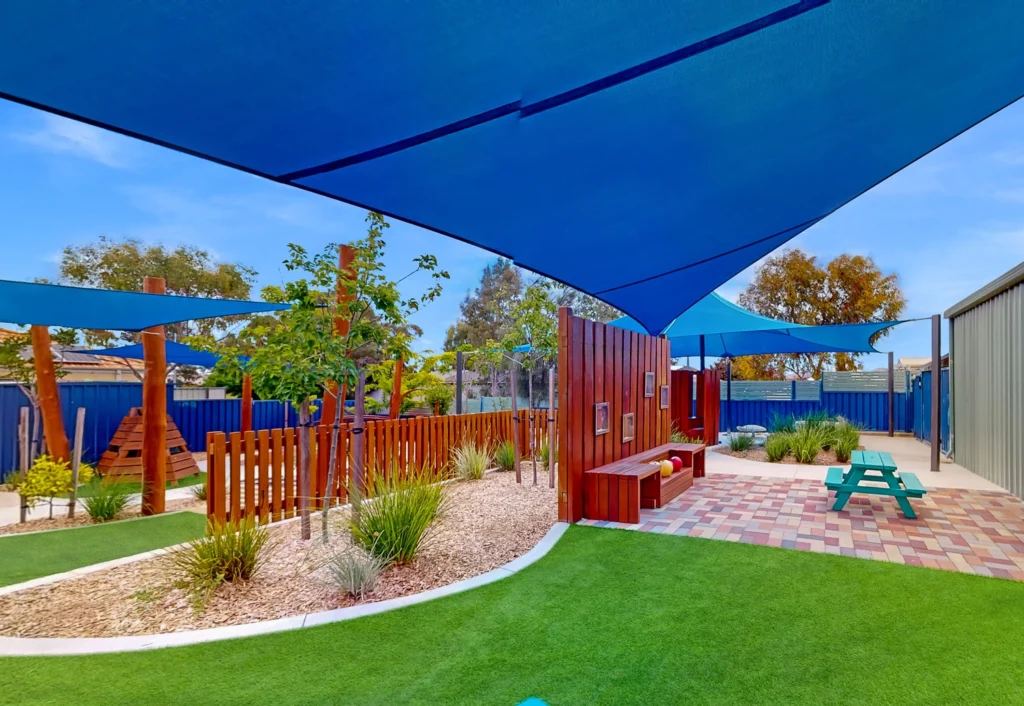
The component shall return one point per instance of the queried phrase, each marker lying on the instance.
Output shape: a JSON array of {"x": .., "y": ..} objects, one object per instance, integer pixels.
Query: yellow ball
[{"x": 666, "y": 468}]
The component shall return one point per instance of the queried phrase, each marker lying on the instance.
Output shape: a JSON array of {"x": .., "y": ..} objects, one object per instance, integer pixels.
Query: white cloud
[{"x": 63, "y": 136}]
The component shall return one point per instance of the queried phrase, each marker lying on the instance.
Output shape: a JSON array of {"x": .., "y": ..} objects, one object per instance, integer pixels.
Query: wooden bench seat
[{"x": 616, "y": 491}]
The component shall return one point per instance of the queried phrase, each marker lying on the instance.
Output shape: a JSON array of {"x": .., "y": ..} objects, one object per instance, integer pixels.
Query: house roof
[{"x": 69, "y": 357}]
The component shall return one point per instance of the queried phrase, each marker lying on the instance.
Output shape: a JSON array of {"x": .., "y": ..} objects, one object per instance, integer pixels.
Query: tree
[
  {"x": 587, "y": 307},
  {"x": 298, "y": 357},
  {"x": 792, "y": 287},
  {"x": 187, "y": 270},
  {"x": 487, "y": 311},
  {"x": 421, "y": 385}
]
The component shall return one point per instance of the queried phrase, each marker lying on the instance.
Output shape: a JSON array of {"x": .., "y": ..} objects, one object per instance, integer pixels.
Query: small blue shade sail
[
  {"x": 177, "y": 354},
  {"x": 29, "y": 303},
  {"x": 731, "y": 331},
  {"x": 644, "y": 151}
]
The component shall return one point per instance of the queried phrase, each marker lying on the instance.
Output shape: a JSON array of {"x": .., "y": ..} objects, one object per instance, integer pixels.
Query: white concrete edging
[{"x": 41, "y": 646}]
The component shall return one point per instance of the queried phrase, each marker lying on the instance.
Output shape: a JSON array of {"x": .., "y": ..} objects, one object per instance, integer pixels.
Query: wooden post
[
  {"x": 246, "y": 403},
  {"x": 76, "y": 459},
  {"x": 458, "y": 382},
  {"x": 154, "y": 410},
  {"x": 49, "y": 396},
  {"x": 551, "y": 428},
  {"x": 332, "y": 398},
  {"x": 396, "y": 390},
  {"x": 892, "y": 399},
  {"x": 935, "y": 439},
  {"x": 515, "y": 425},
  {"x": 24, "y": 448}
]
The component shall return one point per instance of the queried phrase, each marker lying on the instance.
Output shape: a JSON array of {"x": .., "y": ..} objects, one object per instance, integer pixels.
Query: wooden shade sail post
[
  {"x": 49, "y": 396},
  {"x": 154, "y": 410},
  {"x": 334, "y": 401},
  {"x": 515, "y": 426},
  {"x": 76, "y": 460},
  {"x": 396, "y": 390},
  {"x": 246, "y": 403}
]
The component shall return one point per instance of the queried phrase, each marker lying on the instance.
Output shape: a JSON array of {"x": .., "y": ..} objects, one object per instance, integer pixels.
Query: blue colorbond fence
[
  {"x": 197, "y": 417},
  {"x": 869, "y": 410},
  {"x": 921, "y": 400}
]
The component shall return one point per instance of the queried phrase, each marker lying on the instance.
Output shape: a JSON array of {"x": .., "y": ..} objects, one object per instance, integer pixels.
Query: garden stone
[{"x": 751, "y": 429}]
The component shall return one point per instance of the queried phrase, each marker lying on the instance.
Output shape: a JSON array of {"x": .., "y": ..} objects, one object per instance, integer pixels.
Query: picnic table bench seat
[
  {"x": 616, "y": 491},
  {"x": 874, "y": 473}
]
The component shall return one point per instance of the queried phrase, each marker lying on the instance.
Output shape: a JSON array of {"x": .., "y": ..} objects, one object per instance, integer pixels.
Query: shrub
[
  {"x": 199, "y": 491},
  {"x": 782, "y": 423},
  {"x": 545, "y": 453},
  {"x": 230, "y": 552},
  {"x": 741, "y": 442},
  {"x": 817, "y": 418},
  {"x": 807, "y": 443},
  {"x": 470, "y": 461},
  {"x": 505, "y": 456},
  {"x": 356, "y": 571},
  {"x": 776, "y": 446},
  {"x": 106, "y": 499},
  {"x": 846, "y": 438},
  {"x": 50, "y": 479},
  {"x": 393, "y": 524},
  {"x": 678, "y": 437}
]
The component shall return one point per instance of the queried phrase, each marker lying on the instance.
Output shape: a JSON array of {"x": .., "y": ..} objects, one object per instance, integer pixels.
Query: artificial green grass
[
  {"x": 609, "y": 617},
  {"x": 135, "y": 486},
  {"x": 28, "y": 556}
]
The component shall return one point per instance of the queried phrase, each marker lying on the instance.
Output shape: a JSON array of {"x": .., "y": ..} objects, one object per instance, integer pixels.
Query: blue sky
[{"x": 947, "y": 224}]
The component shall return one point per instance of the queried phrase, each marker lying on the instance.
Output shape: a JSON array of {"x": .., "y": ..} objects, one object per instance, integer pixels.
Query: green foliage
[
  {"x": 393, "y": 524},
  {"x": 505, "y": 456},
  {"x": 229, "y": 553},
  {"x": 740, "y": 442},
  {"x": 782, "y": 423},
  {"x": 199, "y": 492},
  {"x": 439, "y": 396},
  {"x": 678, "y": 437},
  {"x": 808, "y": 441},
  {"x": 777, "y": 445},
  {"x": 817, "y": 418},
  {"x": 845, "y": 439},
  {"x": 106, "y": 499},
  {"x": 50, "y": 479},
  {"x": 356, "y": 571},
  {"x": 470, "y": 461},
  {"x": 545, "y": 453}
]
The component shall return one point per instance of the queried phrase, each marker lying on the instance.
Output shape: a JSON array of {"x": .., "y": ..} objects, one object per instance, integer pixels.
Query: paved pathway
[{"x": 972, "y": 531}]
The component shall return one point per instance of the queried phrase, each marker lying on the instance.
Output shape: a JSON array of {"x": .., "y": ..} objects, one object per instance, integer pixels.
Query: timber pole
[
  {"x": 246, "y": 403},
  {"x": 892, "y": 398},
  {"x": 935, "y": 437},
  {"x": 332, "y": 398},
  {"x": 49, "y": 396},
  {"x": 154, "y": 410},
  {"x": 458, "y": 382}
]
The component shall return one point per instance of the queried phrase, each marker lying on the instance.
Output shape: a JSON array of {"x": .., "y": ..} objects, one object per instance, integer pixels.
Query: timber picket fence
[{"x": 256, "y": 474}]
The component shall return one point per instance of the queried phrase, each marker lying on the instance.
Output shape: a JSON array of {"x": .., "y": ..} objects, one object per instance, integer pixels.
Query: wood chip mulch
[
  {"x": 488, "y": 523},
  {"x": 824, "y": 458},
  {"x": 61, "y": 521}
]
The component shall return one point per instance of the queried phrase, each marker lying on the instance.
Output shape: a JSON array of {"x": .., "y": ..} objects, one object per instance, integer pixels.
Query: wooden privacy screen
[
  {"x": 705, "y": 413},
  {"x": 256, "y": 474},
  {"x": 600, "y": 363}
]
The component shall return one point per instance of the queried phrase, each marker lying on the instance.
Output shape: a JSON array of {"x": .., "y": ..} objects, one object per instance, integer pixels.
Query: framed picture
[
  {"x": 601, "y": 418},
  {"x": 664, "y": 396},
  {"x": 627, "y": 427},
  {"x": 648, "y": 384}
]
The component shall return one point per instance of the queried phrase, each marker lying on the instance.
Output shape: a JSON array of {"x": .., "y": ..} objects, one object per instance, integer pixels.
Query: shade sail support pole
[
  {"x": 49, "y": 395},
  {"x": 935, "y": 437}
]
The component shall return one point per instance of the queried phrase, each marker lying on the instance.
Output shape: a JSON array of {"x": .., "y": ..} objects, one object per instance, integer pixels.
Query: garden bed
[
  {"x": 62, "y": 521},
  {"x": 487, "y": 523},
  {"x": 824, "y": 457}
]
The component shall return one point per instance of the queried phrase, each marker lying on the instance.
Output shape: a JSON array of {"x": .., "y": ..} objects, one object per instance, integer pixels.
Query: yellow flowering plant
[{"x": 49, "y": 478}]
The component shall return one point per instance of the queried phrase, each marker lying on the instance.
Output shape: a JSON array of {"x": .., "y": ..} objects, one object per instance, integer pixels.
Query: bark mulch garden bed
[
  {"x": 488, "y": 523},
  {"x": 824, "y": 457}
]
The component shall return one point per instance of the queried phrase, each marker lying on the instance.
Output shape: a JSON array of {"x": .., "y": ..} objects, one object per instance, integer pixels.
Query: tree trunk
[
  {"x": 529, "y": 423},
  {"x": 358, "y": 444},
  {"x": 304, "y": 470},
  {"x": 515, "y": 426},
  {"x": 332, "y": 464}
]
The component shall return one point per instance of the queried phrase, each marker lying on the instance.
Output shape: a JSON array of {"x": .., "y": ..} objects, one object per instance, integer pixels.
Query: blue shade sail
[
  {"x": 641, "y": 150},
  {"x": 79, "y": 307},
  {"x": 177, "y": 354},
  {"x": 731, "y": 331}
]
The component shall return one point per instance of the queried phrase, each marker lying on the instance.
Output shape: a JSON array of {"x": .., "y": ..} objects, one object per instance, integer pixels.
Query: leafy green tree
[
  {"x": 486, "y": 313},
  {"x": 792, "y": 286},
  {"x": 187, "y": 270},
  {"x": 586, "y": 306},
  {"x": 299, "y": 356}
]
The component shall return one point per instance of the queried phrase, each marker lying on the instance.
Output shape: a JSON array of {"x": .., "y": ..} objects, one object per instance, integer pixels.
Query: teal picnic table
[{"x": 867, "y": 469}]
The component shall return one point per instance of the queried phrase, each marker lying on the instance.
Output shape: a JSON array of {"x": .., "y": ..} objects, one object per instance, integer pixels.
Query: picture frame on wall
[
  {"x": 648, "y": 384},
  {"x": 602, "y": 420},
  {"x": 664, "y": 397},
  {"x": 627, "y": 427}
]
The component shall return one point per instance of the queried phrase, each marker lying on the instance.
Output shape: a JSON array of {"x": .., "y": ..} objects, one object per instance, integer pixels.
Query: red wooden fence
[{"x": 256, "y": 474}]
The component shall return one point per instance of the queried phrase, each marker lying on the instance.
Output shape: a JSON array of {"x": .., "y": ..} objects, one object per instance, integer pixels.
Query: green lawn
[
  {"x": 610, "y": 617},
  {"x": 135, "y": 486},
  {"x": 29, "y": 556}
]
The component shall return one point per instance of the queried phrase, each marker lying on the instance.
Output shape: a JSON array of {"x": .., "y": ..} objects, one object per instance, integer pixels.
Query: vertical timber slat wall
[{"x": 599, "y": 363}]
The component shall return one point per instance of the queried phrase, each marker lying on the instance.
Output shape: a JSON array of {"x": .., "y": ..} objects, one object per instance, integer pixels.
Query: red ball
[{"x": 677, "y": 463}]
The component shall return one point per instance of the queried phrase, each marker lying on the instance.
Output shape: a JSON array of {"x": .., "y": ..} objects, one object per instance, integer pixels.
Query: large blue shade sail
[
  {"x": 79, "y": 307},
  {"x": 641, "y": 150},
  {"x": 731, "y": 331},
  {"x": 177, "y": 354}
]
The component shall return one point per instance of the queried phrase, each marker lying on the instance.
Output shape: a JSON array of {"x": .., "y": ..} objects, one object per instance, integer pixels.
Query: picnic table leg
[
  {"x": 893, "y": 482},
  {"x": 852, "y": 478}
]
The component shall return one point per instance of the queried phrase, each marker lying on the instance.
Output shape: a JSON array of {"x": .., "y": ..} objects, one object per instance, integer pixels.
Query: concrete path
[
  {"x": 910, "y": 455},
  {"x": 10, "y": 513}
]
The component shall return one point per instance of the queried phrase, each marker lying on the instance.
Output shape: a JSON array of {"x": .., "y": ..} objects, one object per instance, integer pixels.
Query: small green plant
[
  {"x": 777, "y": 445},
  {"x": 356, "y": 571},
  {"x": 807, "y": 443},
  {"x": 817, "y": 418},
  {"x": 846, "y": 438},
  {"x": 229, "y": 553},
  {"x": 50, "y": 479},
  {"x": 470, "y": 461},
  {"x": 782, "y": 423},
  {"x": 393, "y": 524},
  {"x": 199, "y": 492},
  {"x": 106, "y": 499},
  {"x": 740, "y": 442},
  {"x": 545, "y": 453},
  {"x": 505, "y": 455},
  {"x": 678, "y": 437}
]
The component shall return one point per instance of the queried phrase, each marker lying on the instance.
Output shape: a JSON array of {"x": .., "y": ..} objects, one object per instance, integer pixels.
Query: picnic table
[{"x": 867, "y": 469}]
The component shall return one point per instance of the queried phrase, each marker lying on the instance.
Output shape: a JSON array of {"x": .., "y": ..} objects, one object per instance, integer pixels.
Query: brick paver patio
[{"x": 971, "y": 531}]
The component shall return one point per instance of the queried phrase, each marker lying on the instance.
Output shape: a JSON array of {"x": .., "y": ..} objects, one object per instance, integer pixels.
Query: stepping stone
[{"x": 751, "y": 429}]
